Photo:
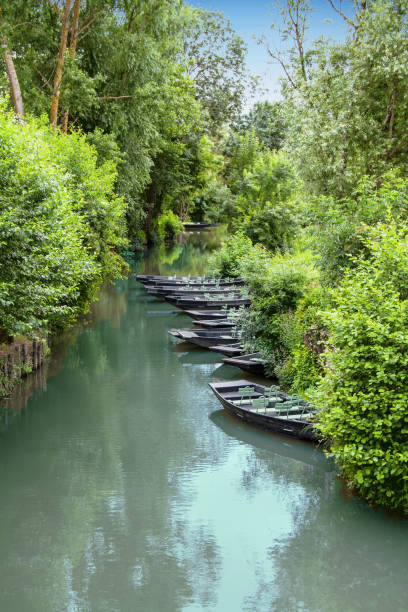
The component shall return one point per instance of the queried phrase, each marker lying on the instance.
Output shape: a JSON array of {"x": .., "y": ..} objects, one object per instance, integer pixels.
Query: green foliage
[
  {"x": 228, "y": 260},
  {"x": 266, "y": 119},
  {"x": 363, "y": 396},
  {"x": 276, "y": 284},
  {"x": 339, "y": 224},
  {"x": 215, "y": 202},
  {"x": 302, "y": 337},
  {"x": 347, "y": 115},
  {"x": 59, "y": 224},
  {"x": 168, "y": 226},
  {"x": 216, "y": 58},
  {"x": 264, "y": 186}
]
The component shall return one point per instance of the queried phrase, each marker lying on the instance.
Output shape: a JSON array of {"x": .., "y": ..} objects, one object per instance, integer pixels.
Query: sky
[{"x": 253, "y": 17}]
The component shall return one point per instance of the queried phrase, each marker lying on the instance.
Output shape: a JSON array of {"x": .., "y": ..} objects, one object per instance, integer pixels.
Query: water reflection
[{"x": 125, "y": 487}]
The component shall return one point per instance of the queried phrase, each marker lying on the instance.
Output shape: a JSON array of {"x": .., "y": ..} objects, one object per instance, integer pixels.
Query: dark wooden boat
[
  {"x": 191, "y": 227},
  {"x": 204, "y": 337},
  {"x": 196, "y": 282},
  {"x": 187, "y": 303},
  {"x": 267, "y": 407},
  {"x": 148, "y": 279},
  {"x": 188, "y": 292},
  {"x": 230, "y": 350},
  {"x": 194, "y": 297},
  {"x": 214, "y": 324},
  {"x": 162, "y": 290},
  {"x": 213, "y": 315},
  {"x": 251, "y": 362}
]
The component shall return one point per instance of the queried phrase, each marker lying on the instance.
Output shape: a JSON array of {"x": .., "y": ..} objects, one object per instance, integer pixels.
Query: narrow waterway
[{"x": 125, "y": 488}]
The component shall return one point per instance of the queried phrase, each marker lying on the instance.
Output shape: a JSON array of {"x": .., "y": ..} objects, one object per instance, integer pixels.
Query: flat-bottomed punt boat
[
  {"x": 235, "y": 348},
  {"x": 251, "y": 362},
  {"x": 214, "y": 324},
  {"x": 267, "y": 407},
  {"x": 210, "y": 315},
  {"x": 188, "y": 303},
  {"x": 204, "y": 337}
]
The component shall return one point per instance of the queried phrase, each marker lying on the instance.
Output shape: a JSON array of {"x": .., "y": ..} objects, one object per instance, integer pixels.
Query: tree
[
  {"x": 60, "y": 64},
  {"x": 216, "y": 62},
  {"x": 348, "y": 117},
  {"x": 266, "y": 119}
]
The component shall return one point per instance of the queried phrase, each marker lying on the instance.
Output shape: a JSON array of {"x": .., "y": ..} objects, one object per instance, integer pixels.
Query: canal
[{"x": 125, "y": 488}]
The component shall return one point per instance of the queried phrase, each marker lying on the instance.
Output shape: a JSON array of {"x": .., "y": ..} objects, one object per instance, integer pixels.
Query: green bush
[
  {"x": 228, "y": 260},
  {"x": 363, "y": 397},
  {"x": 303, "y": 338},
  {"x": 339, "y": 225},
  {"x": 59, "y": 225},
  {"x": 168, "y": 226}
]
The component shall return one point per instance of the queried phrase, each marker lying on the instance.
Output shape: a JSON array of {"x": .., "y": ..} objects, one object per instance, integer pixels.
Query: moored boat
[
  {"x": 191, "y": 227},
  {"x": 251, "y": 362},
  {"x": 214, "y": 303},
  {"x": 208, "y": 324},
  {"x": 148, "y": 279},
  {"x": 214, "y": 315},
  {"x": 235, "y": 348},
  {"x": 193, "y": 298},
  {"x": 198, "y": 292},
  {"x": 267, "y": 407},
  {"x": 204, "y": 337}
]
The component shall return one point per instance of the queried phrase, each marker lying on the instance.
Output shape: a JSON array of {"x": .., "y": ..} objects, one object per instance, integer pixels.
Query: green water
[{"x": 125, "y": 488}]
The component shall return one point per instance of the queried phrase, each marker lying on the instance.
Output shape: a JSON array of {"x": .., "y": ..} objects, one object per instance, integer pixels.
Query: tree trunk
[
  {"x": 60, "y": 65},
  {"x": 72, "y": 51},
  {"x": 13, "y": 80}
]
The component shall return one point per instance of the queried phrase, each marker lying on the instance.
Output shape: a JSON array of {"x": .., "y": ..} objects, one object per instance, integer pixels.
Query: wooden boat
[
  {"x": 204, "y": 337},
  {"x": 213, "y": 315},
  {"x": 194, "y": 297},
  {"x": 251, "y": 363},
  {"x": 231, "y": 350},
  {"x": 267, "y": 407},
  {"x": 162, "y": 290},
  {"x": 214, "y": 324},
  {"x": 188, "y": 292},
  {"x": 148, "y": 279},
  {"x": 191, "y": 227},
  {"x": 197, "y": 282},
  {"x": 187, "y": 303}
]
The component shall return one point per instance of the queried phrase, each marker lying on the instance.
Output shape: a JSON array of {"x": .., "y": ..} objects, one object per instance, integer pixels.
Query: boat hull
[
  {"x": 205, "y": 341},
  {"x": 245, "y": 363},
  {"x": 227, "y": 349},
  {"x": 287, "y": 427},
  {"x": 210, "y": 315}
]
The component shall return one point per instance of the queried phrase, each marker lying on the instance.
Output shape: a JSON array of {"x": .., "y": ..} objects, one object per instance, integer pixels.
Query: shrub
[
  {"x": 168, "y": 226},
  {"x": 363, "y": 397},
  {"x": 59, "y": 225},
  {"x": 339, "y": 225},
  {"x": 303, "y": 338},
  {"x": 227, "y": 261}
]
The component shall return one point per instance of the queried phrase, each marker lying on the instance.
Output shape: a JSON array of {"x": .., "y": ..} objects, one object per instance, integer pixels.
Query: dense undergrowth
[{"x": 61, "y": 225}]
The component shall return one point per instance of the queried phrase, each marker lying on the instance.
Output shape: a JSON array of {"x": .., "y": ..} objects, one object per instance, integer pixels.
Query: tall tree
[
  {"x": 60, "y": 64},
  {"x": 13, "y": 79},
  {"x": 72, "y": 51}
]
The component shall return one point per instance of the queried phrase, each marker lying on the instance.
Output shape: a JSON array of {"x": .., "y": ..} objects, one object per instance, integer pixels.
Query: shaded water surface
[{"x": 125, "y": 488}]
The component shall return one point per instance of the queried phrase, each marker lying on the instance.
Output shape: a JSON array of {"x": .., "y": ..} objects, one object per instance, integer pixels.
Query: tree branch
[
  {"x": 43, "y": 78},
  {"x": 279, "y": 59},
  {"x": 347, "y": 19}
]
